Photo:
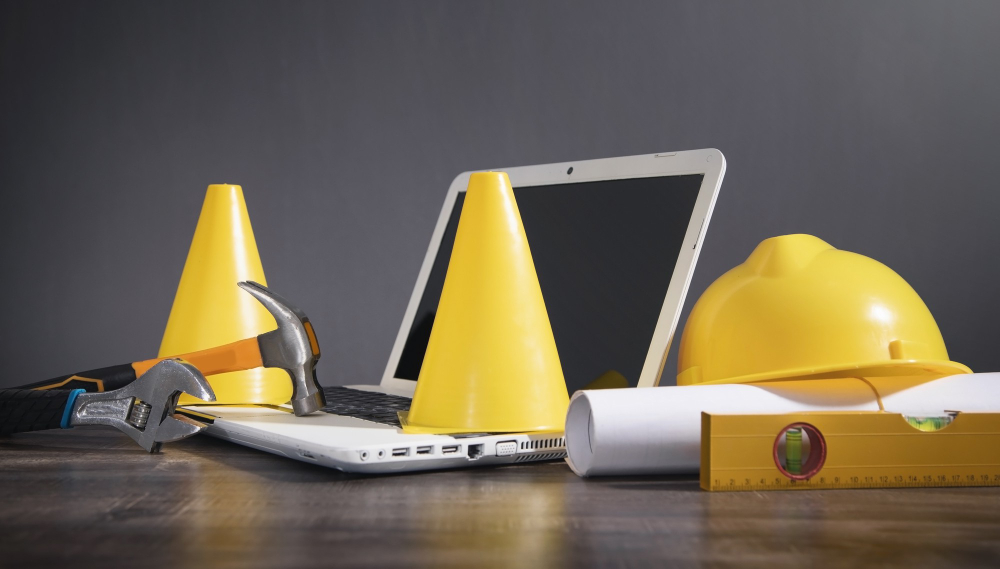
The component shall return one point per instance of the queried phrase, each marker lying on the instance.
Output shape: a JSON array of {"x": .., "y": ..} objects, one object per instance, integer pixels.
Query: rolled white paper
[
  {"x": 972, "y": 393},
  {"x": 658, "y": 430}
]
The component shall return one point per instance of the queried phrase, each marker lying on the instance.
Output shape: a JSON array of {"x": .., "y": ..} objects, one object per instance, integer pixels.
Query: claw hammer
[{"x": 292, "y": 346}]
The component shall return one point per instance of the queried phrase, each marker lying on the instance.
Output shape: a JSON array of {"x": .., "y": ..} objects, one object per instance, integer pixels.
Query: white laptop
[{"x": 614, "y": 243}]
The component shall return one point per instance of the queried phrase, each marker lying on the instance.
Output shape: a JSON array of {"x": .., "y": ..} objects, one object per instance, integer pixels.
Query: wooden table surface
[{"x": 91, "y": 498}]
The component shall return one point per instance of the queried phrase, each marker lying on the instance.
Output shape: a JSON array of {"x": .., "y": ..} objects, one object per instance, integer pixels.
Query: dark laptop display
[{"x": 604, "y": 253}]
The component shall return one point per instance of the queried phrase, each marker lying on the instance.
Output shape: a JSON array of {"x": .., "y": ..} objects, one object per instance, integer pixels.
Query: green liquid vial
[
  {"x": 929, "y": 424},
  {"x": 793, "y": 451}
]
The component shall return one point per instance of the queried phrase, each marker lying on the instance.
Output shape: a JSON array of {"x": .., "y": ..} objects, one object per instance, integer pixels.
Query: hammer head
[{"x": 291, "y": 347}]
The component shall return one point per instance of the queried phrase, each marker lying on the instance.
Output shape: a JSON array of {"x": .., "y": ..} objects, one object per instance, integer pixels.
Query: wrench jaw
[{"x": 144, "y": 409}]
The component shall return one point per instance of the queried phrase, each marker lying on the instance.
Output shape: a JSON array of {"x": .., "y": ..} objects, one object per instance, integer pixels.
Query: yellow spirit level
[{"x": 848, "y": 450}]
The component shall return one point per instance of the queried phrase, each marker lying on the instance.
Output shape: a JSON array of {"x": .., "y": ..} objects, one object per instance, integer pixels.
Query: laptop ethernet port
[
  {"x": 450, "y": 449},
  {"x": 425, "y": 450},
  {"x": 475, "y": 451}
]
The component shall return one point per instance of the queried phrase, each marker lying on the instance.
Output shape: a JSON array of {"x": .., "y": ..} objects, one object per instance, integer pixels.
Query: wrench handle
[
  {"x": 24, "y": 410},
  {"x": 240, "y": 355}
]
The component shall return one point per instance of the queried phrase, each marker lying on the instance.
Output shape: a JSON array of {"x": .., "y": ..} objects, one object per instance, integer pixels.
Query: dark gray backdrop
[{"x": 873, "y": 125}]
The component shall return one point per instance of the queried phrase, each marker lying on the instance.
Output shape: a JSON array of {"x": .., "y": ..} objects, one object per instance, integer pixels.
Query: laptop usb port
[
  {"x": 425, "y": 450},
  {"x": 400, "y": 452},
  {"x": 450, "y": 449}
]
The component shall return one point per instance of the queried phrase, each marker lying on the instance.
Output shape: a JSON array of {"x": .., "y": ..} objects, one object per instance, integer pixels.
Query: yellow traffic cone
[
  {"x": 210, "y": 310},
  {"x": 611, "y": 379},
  {"x": 491, "y": 363}
]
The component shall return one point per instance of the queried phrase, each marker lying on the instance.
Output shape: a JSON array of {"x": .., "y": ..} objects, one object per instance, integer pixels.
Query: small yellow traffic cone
[
  {"x": 491, "y": 363},
  {"x": 611, "y": 379},
  {"x": 210, "y": 310}
]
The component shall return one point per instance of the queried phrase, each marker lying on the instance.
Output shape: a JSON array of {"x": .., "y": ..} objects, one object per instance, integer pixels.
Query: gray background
[{"x": 870, "y": 124}]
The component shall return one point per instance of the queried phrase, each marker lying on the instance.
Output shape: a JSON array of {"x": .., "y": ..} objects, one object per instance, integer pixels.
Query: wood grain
[{"x": 91, "y": 498}]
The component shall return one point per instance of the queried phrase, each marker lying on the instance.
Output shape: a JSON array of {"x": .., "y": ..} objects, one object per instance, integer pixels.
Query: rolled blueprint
[{"x": 658, "y": 430}]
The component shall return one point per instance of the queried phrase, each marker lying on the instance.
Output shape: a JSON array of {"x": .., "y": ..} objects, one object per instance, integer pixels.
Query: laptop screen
[{"x": 604, "y": 253}]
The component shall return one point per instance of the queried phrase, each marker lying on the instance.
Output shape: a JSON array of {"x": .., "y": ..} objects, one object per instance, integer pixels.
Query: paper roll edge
[{"x": 579, "y": 446}]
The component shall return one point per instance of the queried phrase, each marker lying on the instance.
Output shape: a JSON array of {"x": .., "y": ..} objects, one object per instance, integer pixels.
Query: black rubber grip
[
  {"x": 100, "y": 379},
  {"x": 23, "y": 410}
]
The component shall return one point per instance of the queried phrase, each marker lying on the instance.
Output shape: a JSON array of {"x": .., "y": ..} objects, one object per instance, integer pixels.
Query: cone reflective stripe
[
  {"x": 491, "y": 363},
  {"x": 210, "y": 310}
]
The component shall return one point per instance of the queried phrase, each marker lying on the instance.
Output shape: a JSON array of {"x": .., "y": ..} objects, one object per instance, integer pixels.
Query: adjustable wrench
[{"x": 143, "y": 409}]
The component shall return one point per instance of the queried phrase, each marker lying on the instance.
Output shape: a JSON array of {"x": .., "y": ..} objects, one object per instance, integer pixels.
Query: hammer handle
[
  {"x": 240, "y": 355},
  {"x": 23, "y": 410},
  {"x": 244, "y": 354},
  {"x": 100, "y": 379}
]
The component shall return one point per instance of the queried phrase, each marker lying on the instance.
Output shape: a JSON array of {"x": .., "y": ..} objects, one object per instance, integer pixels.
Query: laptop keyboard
[{"x": 367, "y": 405}]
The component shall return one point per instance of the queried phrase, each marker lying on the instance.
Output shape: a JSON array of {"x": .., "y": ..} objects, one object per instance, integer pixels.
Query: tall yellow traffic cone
[
  {"x": 210, "y": 310},
  {"x": 491, "y": 363}
]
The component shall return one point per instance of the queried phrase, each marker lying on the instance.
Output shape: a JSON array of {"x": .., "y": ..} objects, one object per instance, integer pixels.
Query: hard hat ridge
[{"x": 782, "y": 255}]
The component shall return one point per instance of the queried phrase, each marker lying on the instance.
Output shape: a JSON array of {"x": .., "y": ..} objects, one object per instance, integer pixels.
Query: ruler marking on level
[
  {"x": 880, "y": 435},
  {"x": 849, "y": 467}
]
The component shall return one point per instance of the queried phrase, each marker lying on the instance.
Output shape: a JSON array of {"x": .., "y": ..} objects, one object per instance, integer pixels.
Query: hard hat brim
[{"x": 886, "y": 368}]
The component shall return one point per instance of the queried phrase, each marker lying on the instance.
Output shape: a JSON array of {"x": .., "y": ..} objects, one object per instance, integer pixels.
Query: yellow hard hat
[{"x": 799, "y": 309}]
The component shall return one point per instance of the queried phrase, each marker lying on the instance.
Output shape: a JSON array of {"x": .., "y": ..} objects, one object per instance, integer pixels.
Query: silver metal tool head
[
  {"x": 144, "y": 409},
  {"x": 291, "y": 347}
]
